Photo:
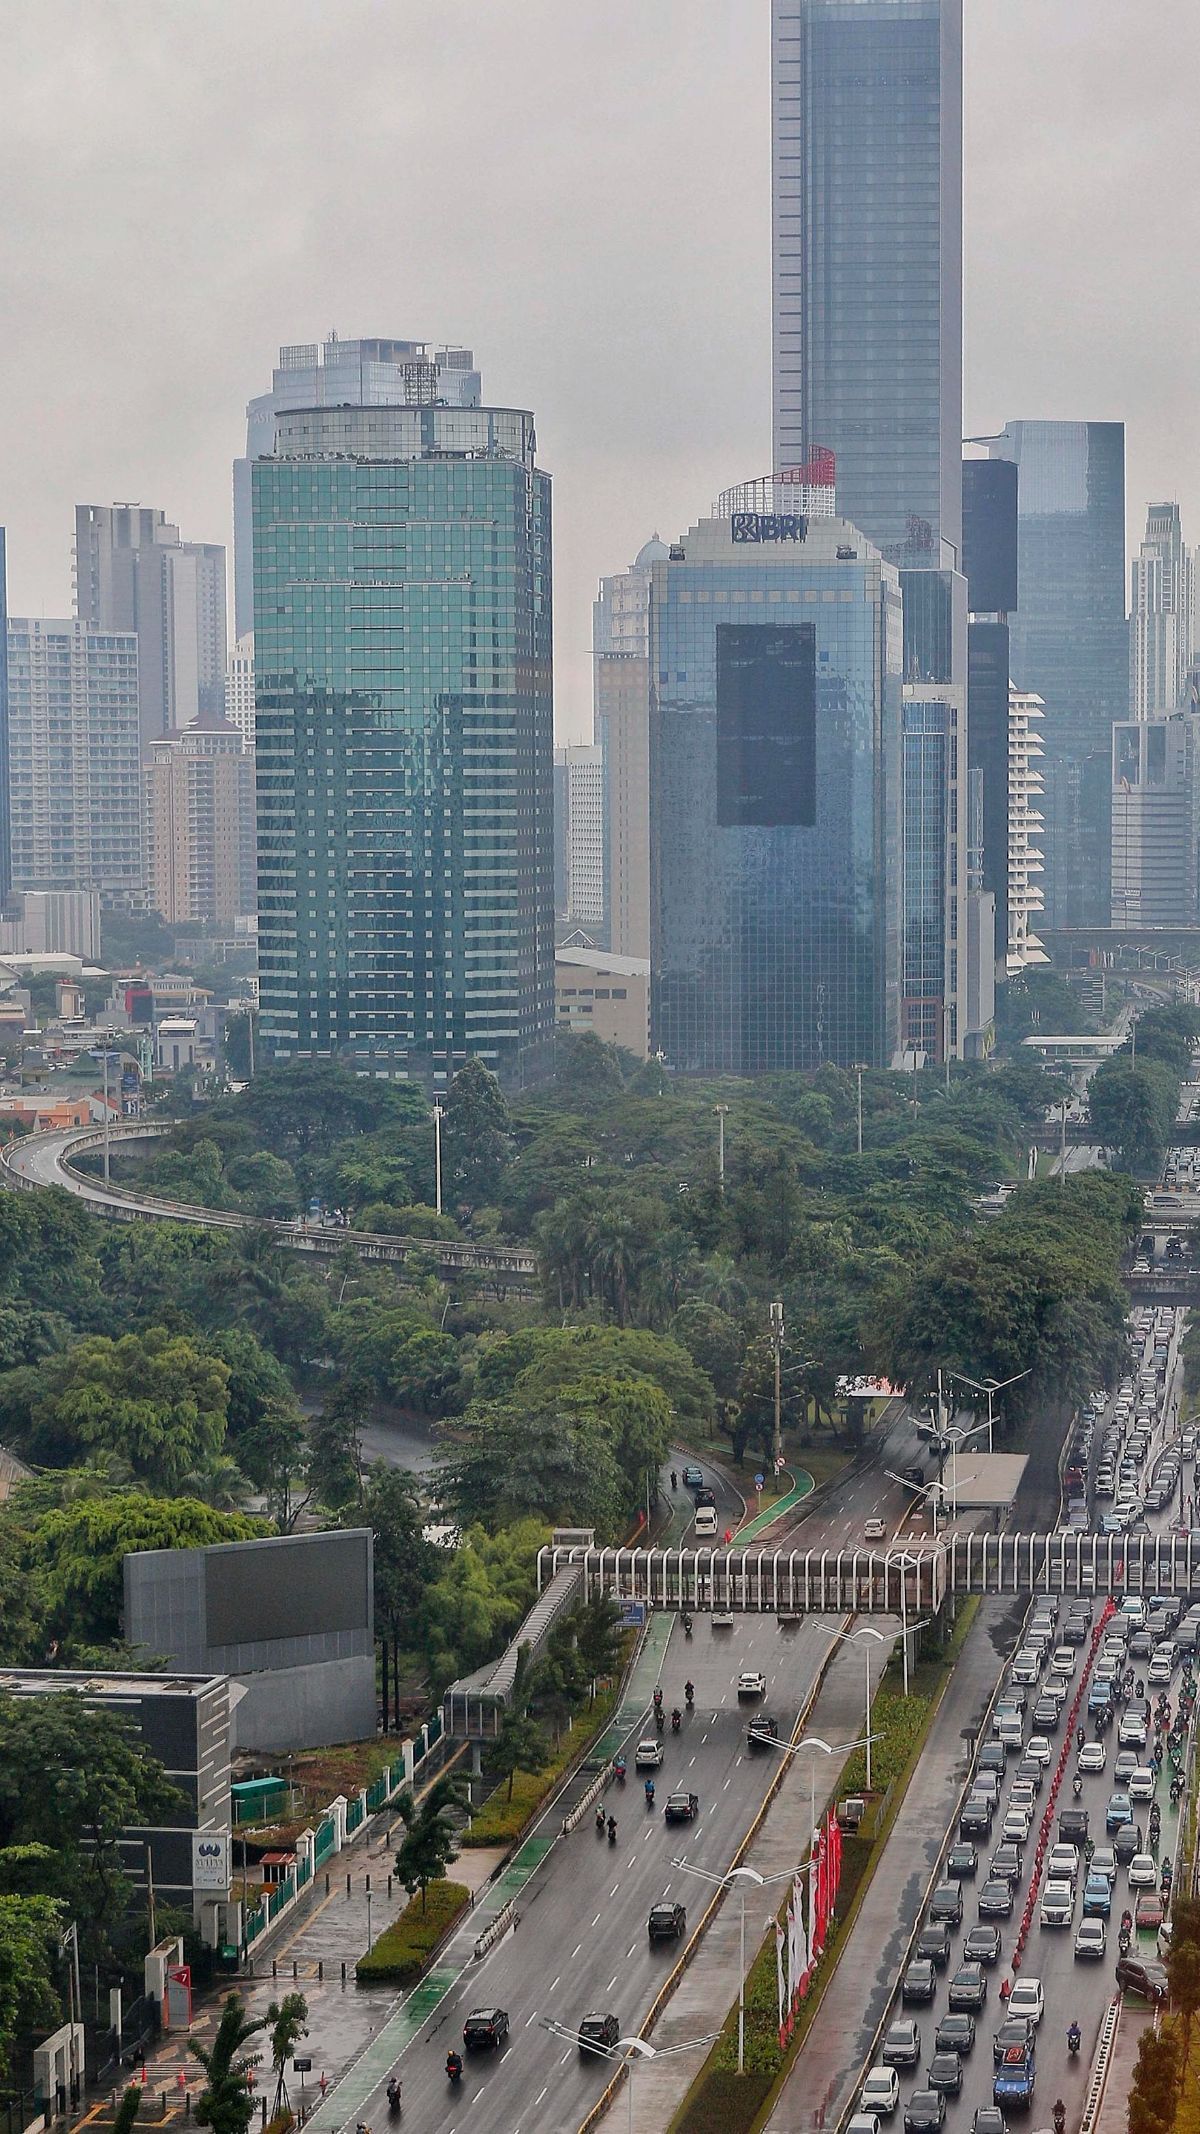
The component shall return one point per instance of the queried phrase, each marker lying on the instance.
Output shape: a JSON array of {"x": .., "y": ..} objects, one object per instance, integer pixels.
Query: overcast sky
[{"x": 579, "y": 190}]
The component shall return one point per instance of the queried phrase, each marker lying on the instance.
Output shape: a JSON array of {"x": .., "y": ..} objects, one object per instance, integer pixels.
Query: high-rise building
[
  {"x": 335, "y": 373},
  {"x": 579, "y": 819},
  {"x": 6, "y": 881},
  {"x": 1070, "y": 641},
  {"x": 239, "y": 688},
  {"x": 1024, "y": 896},
  {"x": 1162, "y": 616},
  {"x": 73, "y": 750},
  {"x": 404, "y": 738},
  {"x": 132, "y": 572},
  {"x": 1156, "y": 821},
  {"x": 621, "y": 710},
  {"x": 200, "y": 825},
  {"x": 777, "y": 878},
  {"x": 867, "y": 260},
  {"x": 990, "y": 569}
]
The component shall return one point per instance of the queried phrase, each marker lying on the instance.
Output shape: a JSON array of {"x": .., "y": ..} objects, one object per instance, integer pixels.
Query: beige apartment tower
[
  {"x": 199, "y": 803},
  {"x": 621, "y": 710}
]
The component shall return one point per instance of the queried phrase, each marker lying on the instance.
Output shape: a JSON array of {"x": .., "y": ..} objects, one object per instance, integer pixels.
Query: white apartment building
[
  {"x": 1025, "y": 859},
  {"x": 1162, "y": 616},
  {"x": 239, "y": 688}
]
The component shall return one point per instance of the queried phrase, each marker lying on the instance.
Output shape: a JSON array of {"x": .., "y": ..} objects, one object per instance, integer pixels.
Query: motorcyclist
[
  {"x": 1077, "y": 1785},
  {"x": 1059, "y": 2115},
  {"x": 599, "y": 1820},
  {"x": 1074, "y": 2037},
  {"x": 676, "y": 1720},
  {"x": 393, "y": 2094},
  {"x": 687, "y": 1626},
  {"x": 658, "y": 1698},
  {"x": 1079, "y": 1739},
  {"x": 689, "y": 1694},
  {"x": 649, "y": 1793},
  {"x": 674, "y": 1478},
  {"x": 454, "y": 2065},
  {"x": 612, "y": 1830}
]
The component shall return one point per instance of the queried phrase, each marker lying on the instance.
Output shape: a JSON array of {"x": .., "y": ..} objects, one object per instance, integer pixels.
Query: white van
[{"x": 706, "y": 1520}]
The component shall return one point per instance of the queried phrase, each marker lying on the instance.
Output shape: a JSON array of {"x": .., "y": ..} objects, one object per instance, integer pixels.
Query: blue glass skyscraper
[
  {"x": 867, "y": 260},
  {"x": 775, "y": 796},
  {"x": 1070, "y": 641},
  {"x": 402, "y": 621}
]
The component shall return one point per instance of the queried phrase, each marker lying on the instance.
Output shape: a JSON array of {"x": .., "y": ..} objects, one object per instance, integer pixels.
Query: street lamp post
[
  {"x": 847, "y": 1637},
  {"x": 721, "y": 1110},
  {"x": 628, "y": 2049},
  {"x": 437, "y": 1155},
  {"x": 859, "y": 1070},
  {"x": 989, "y": 1388},
  {"x": 742, "y": 1876},
  {"x": 777, "y": 1347}
]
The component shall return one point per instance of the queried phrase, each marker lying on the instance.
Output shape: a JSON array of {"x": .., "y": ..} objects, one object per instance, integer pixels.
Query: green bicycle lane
[
  {"x": 802, "y": 1486},
  {"x": 361, "y": 2078}
]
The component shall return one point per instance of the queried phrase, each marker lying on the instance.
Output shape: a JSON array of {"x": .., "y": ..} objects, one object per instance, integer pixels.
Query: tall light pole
[
  {"x": 847, "y": 1637},
  {"x": 743, "y": 1876},
  {"x": 777, "y": 1347},
  {"x": 859, "y": 1070},
  {"x": 721, "y": 1110},
  {"x": 630, "y": 2050},
  {"x": 990, "y": 1388},
  {"x": 106, "y": 1117},
  {"x": 437, "y": 1154}
]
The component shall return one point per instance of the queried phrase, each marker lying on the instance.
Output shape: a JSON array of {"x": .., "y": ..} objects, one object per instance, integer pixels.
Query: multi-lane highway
[{"x": 582, "y": 1945}]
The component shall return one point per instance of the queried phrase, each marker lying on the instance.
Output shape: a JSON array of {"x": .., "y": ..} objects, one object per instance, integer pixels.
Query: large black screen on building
[
  {"x": 304, "y": 1585},
  {"x": 766, "y": 724}
]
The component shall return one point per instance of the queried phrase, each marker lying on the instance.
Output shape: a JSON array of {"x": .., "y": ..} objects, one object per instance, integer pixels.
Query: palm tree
[
  {"x": 225, "y": 2103},
  {"x": 288, "y": 2019},
  {"x": 719, "y": 1283},
  {"x": 427, "y": 1848},
  {"x": 221, "y": 1484}
]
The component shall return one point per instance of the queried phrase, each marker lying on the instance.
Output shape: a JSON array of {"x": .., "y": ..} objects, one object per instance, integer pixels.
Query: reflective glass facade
[
  {"x": 775, "y": 801},
  {"x": 1070, "y": 640},
  {"x": 5, "y": 831},
  {"x": 867, "y": 253},
  {"x": 402, "y": 587}
]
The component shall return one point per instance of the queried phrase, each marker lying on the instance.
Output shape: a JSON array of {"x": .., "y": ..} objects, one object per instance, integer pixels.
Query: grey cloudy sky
[{"x": 579, "y": 189}]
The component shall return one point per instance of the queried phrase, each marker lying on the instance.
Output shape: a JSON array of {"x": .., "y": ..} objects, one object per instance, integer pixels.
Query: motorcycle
[
  {"x": 687, "y": 1626},
  {"x": 393, "y": 2096},
  {"x": 1074, "y": 2039},
  {"x": 619, "y": 1770},
  {"x": 676, "y": 1720},
  {"x": 1077, "y": 1787},
  {"x": 612, "y": 1830},
  {"x": 1059, "y": 2116},
  {"x": 599, "y": 1822},
  {"x": 454, "y": 2066},
  {"x": 689, "y": 1694},
  {"x": 650, "y": 1793},
  {"x": 1123, "y": 1940},
  {"x": 659, "y": 1721}
]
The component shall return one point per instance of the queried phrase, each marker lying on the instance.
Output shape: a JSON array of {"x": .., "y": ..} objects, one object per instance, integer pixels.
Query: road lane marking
[
  {"x": 629, "y": 1951},
  {"x": 575, "y": 1951},
  {"x": 533, "y": 2018},
  {"x": 612, "y": 1893},
  {"x": 537, "y": 2100},
  {"x": 596, "y": 1920},
  {"x": 612, "y": 1982},
  {"x": 554, "y": 1982}
]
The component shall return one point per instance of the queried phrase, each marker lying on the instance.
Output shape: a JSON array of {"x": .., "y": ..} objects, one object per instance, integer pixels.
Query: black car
[
  {"x": 976, "y": 1818},
  {"x": 705, "y": 1495},
  {"x": 968, "y": 1987},
  {"x": 955, "y": 2033},
  {"x": 1135, "y": 1974},
  {"x": 762, "y": 1731},
  {"x": 1030, "y": 1773},
  {"x": 933, "y": 1942},
  {"x": 667, "y": 1922},
  {"x": 598, "y": 2033},
  {"x": 996, "y": 1900},
  {"x": 1074, "y": 1631},
  {"x": 1006, "y": 1864},
  {"x": 485, "y": 2026},
  {"x": 902, "y": 2044},
  {"x": 1046, "y": 1714},
  {"x": 682, "y": 1807},
  {"x": 993, "y": 1757},
  {"x": 982, "y": 1946},
  {"x": 1073, "y": 1827},
  {"x": 946, "y": 1902},
  {"x": 1125, "y": 1843},
  {"x": 924, "y": 2112},
  {"x": 1015, "y": 2030},
  {"x": 945, "y": 2073},
  {"x": 962, "y": 1861},
  {"x": 919, "y": 1982}
]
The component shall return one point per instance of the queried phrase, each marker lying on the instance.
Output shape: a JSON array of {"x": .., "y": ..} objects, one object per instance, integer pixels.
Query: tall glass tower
[
  {"x": 402, "y": 623},
  {"x": 866, "y": 115},
  {"x": 1070, "y": 640}
]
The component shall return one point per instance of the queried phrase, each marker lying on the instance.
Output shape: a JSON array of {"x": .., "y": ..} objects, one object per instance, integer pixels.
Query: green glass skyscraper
[{"x": 402, "y": 605}]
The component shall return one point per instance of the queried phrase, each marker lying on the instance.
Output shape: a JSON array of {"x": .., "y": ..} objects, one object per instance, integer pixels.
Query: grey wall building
[
  {"x": 183, "y": 1719},
  {"x": 1070, "y": 642},
  {"x": 1156, "y": 821},
  {"x": 379, "y": 372},
  {"x": 990, "y": 566},
  {"x": 866, "y": 120},
  {"x": 775, "y": 795},
  {"x": 290, "y": 1620},
  {"x": 133, "y": 572},
  {"x": 621, "y": 712},
  {"x": 76, "y": 811}
]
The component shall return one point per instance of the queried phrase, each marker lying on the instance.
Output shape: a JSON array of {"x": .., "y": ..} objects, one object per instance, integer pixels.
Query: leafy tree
[
  {"x": 586, "y": 1072},
  {"x": 405, "y": 1562},
  {"x": 476, "y": 1132},
  {"x": 335, "y": 1457},
  {"x": 73, "y": 1777},
  {"x": 1132, "y": 1107},
  {"x": 427, "y": 1848},
  {"x": 30, "y": 1927},
  {"x": 1183, "y": 1966},
  {"x": 521, "y": 1744},
  {"x": 73, "y": 1554},
  {"x": 714, "y": 1341},
  {"x": 264, "y": 1183},
  {"x": 504, "y": 1464},
  {"x": 538, "y": 1361},
  {"x": 484, "y": 1590},
  {"x": 128, "y": 2109},
  {"x": 598, "y": 1634},
  {"x": 154, "y": 1398},
  {"x": 226, "y": 2103},
  {"x": 287, "y": 2021}
]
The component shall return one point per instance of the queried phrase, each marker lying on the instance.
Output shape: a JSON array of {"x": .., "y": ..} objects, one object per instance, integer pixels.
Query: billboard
[
  {"x": 294, "y": 1586},
  {"x": 766, "y": 725}
]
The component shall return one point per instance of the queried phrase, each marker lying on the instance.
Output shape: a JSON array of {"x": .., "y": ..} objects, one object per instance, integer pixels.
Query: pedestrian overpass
[{"x": 897, "y": 1581}]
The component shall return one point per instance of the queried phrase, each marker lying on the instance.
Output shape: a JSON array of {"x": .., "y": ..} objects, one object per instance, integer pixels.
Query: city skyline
[{"x": 635, "y": 423}]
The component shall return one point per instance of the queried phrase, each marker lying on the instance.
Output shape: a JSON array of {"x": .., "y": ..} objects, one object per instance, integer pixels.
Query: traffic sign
[{"x": 759, "y": 1480}]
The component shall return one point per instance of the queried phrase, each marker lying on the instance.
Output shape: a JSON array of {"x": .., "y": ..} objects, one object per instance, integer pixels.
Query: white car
[
  {"x": 1037, "y": 1749},
  {"x": 880, "y": 2092},
  {"x": 1027, "y": 1999},
  {"x": 874, "y": 1530},
  {"x": 1015, "y": 1828},
  {"x": 1058, "y": 1907},
  {"x": 1021, "y": 1795},
  {"x": 1103, "y": 1862},
  {"x": 1141, "y": 1784},
  {"x": 1063, "y": 1659},
  {"x": 1091, "y": 1759},
  {"x": 649, "y": 1754},
  {"x": 1062, "y": 1865},
  {"x": 752, "y": 1682},
  {"x": 1143, "y": 1872},
  {"x": 1092, "y": 1938},
  {"x": 1160, "y": 1670}
]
